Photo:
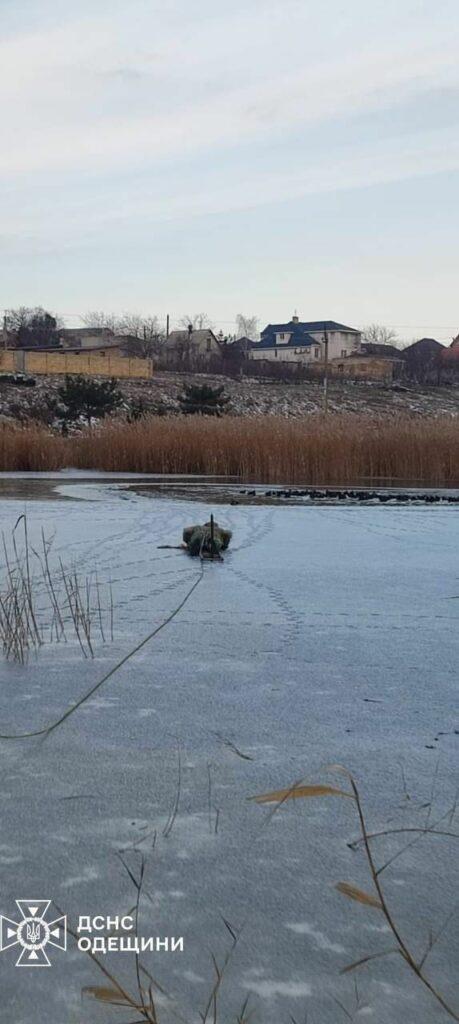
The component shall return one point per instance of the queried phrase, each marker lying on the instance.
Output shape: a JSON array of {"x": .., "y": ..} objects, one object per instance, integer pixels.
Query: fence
[{"x": 87, "y": 363}]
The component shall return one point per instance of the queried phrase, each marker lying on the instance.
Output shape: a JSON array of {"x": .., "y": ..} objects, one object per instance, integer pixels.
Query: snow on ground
[
  {"x": 328, "y": 635},
  {"x": 248, "y": 395}
]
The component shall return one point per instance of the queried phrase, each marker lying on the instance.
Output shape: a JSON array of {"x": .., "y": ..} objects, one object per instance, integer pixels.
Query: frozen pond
[{"x": 329, "y": 635}]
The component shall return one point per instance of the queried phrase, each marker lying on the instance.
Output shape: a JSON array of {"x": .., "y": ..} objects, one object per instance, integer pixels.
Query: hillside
[{"x": 248, "y": 396}]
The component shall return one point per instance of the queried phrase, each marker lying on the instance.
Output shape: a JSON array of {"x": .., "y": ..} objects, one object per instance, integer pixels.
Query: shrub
[
  {"x": 84, "y": 396},
  {"x": 203, "y": 399}
]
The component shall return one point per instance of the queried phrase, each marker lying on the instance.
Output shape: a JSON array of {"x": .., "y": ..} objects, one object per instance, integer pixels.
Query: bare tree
[
  {"x": 154, "y": 333},
  {"x": 199, "y": 322},
  {"x": 97, "y": 318},
  {"x": 130, "y": 323},
  {"x": 247, "y": 327},
  {"x": 376, "y": 334},
  {"x": 147, "y": 336}
]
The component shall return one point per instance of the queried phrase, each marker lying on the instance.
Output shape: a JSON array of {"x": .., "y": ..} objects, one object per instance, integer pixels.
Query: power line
[{"x": 385, "y": 323}]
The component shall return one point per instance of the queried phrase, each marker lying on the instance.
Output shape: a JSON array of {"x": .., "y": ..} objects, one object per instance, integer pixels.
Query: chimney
[{"x": 295, "y": 318}]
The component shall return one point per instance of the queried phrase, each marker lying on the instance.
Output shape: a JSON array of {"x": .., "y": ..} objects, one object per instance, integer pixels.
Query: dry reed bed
[{"x": 338, "y": 449}]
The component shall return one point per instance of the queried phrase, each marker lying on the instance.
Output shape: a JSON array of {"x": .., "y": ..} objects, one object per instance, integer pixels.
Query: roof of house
[
  {"x": 424, "y": 344},
  {"x": 38, "y": 348},
  {"x": 309, "y": 325},
  {"x": 241, "y": 343},
  {"x": 103, "y": 346},
  {"x": 76, "y": 350},
  {"x": 81, "y": 332},
  {"x": 196, "y": 336},
  {"x": 298, "y": 338},
  {"x": 372, "y": 348}
]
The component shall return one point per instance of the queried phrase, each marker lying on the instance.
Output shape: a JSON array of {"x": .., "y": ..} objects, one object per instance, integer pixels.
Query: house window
[
  {"x": 275, "y": 353},
  {"x": 343, "y": 353},
  {"x": 281, "y": 337},
  {"x": 317, "y": 352},
  {"x": 209, "y": 344}
]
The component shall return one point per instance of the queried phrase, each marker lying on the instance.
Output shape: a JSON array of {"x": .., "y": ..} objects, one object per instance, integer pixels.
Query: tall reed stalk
[{"x": 335, "y": 449}]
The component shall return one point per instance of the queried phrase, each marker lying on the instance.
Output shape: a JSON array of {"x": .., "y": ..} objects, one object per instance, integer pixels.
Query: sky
[{"x": 232, "y": 156}]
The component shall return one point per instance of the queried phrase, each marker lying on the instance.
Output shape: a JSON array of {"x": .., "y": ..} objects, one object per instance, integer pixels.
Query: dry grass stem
[
  {"x": 42, "y": 603},
  {"x": 376, "y": 900}
]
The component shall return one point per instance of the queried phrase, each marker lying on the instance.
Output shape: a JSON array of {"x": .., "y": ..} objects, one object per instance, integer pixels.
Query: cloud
[
  {"x": 124, "y": 124},
  {"x": 117, "y": 209},
  {"x": 92, "y": 95}
]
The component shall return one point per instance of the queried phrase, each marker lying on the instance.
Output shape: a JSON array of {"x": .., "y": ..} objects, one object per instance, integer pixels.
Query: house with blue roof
[{"x": 304, "y": 341}]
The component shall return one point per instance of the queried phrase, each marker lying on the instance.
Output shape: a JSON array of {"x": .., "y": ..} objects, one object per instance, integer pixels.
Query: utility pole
[
  {"x": 167, "y": 325},
  {"x": 189, "y": 347},
  {"x": 212, "y": 537},
  {"x": 325, "y": 369}
]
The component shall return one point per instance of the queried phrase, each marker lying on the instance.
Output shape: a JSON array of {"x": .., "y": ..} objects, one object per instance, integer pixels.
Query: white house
[{"x": 304, "y": 341}]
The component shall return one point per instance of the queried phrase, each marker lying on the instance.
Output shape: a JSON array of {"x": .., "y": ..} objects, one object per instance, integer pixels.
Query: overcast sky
[{"x": 254, "y": 156}]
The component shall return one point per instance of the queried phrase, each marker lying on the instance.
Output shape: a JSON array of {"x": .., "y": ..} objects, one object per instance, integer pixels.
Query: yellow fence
[
  {"x": 87, "y": 363},
  {"x": 7, "y": 362}
]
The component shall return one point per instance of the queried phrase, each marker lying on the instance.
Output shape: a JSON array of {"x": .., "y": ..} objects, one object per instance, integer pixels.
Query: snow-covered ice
[{"x": 329, "y": 635}]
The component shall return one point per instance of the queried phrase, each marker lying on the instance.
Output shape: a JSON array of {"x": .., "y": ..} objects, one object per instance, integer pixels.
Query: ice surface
[{"x": 328, "y": 635}]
